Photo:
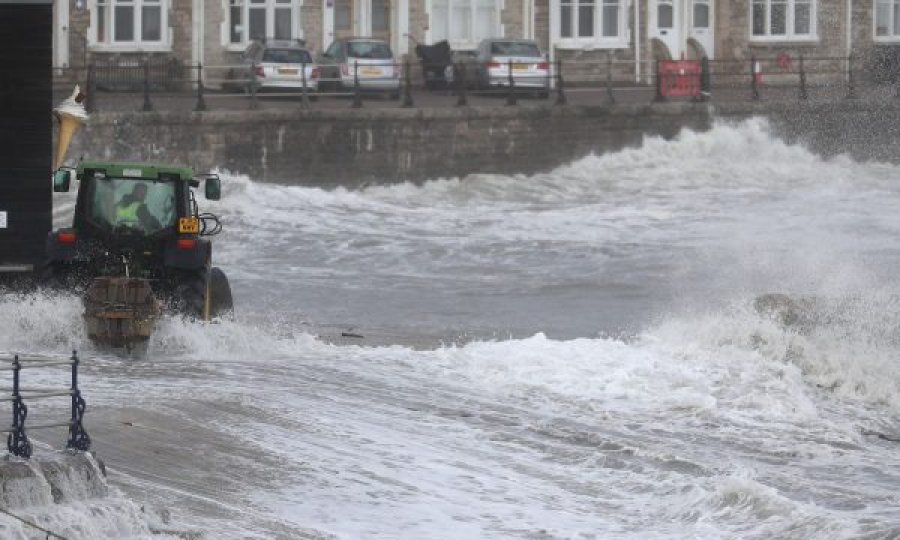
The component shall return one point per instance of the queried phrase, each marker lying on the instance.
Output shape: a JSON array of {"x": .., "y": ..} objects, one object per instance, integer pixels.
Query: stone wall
[{"x": 353, "y": 148}]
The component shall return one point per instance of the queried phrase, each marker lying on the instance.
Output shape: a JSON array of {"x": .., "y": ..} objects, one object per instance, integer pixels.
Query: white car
[{"x": 530, "y": 68}]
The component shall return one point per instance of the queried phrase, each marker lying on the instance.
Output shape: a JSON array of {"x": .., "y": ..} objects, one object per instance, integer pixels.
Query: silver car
[
  {"x": 275, "y": 65},
  {"x": 530, "y": 68},
  {"x": 368, "y": 60}
]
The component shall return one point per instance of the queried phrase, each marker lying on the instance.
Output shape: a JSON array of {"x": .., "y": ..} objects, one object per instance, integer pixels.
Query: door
[
  {"x": 702, "y": 28},
  {"x": 684, "y": 27}
]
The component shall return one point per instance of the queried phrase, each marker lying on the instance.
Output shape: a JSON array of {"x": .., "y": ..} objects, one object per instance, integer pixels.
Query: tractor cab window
[{"x": 144, "y": 206}]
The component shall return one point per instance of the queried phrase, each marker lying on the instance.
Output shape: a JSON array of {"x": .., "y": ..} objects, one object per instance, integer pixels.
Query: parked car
[
  {"x": 530, "y": 68},
  {"x": 463, "y": 59},
  {"x": 368, "y": 60},
  {"x": 277, "y": 65}
]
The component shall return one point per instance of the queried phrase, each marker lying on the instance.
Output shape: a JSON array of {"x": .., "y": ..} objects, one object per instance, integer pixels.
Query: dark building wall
[{"x": 25, "y": 129}]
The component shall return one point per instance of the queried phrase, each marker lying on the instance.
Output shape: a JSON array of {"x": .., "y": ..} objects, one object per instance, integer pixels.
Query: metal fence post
[
  {"x": 511, "y": 90},
  {"x": 659, "y": 85},
  {"x": 201, "y": 101},
  {"x": 610, "y": 97},
  {"x": 705, "y": 79},
  {"x": 459, "y": 76},
  {"x": 560, "y": 85},
  {"x": 78, "y": 437},
  {"x": 407, "y": 93},
  {"x": 147, "y": 105},
  {"x": 254, "y": 103},
  {"x": 754, "y": 82},
  {"x": 304, "y": 97},
  {"x": 357, "y": 97},
  {"x": 17, "y": 442},
  {"x": 90, "y": 104},
  {"x": 803, "y": 93},
  {"x": 851, "y": 83}
]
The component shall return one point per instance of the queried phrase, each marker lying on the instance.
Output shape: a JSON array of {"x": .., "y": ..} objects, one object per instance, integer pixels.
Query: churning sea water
[{"x": 568, "y": 355}]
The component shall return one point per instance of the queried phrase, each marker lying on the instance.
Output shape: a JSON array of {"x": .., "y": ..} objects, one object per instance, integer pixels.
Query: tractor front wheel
[{"x": 204, "y": 294}]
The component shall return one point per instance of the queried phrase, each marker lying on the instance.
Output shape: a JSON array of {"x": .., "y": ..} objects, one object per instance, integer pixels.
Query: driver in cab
[{"x": 132, "y": 211}]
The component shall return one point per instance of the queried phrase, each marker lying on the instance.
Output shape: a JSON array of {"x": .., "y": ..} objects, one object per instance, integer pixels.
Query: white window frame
[
  {"x": 270, "y": 6},
  {"x": 499, "y": 6},
  {"x": 893, "y": 35},
  {"x": 597, "y": 41},
  {"x": 137, "y": 45},
  {"x": 789, "y": 35}
]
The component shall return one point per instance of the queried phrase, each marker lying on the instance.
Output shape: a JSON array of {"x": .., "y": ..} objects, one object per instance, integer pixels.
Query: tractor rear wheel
[
  {"x": 204, "y": 294},
  {"x": 221, "y": 303}
]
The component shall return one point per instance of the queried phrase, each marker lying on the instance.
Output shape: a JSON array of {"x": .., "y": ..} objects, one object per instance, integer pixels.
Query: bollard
[
  {"x": 610, "y": 97},
  {"x": 78, "y": 437},
  {"x": 17, "y": 442},
  {"x": 705, "y": 80},
  {"x": 407, "y": 93},
  {"x": 254, "y": 103},
  {"x": 459, "y": 76},
  {"x": 304, "y": 97},
  {"x": 659, "y": 85},
  {"x": 851, "y": 83},
  {"x": 90, "y": 103},
  {"x": 560, "y": 85},
  {"x": 511, "y": 90},
  {"x": 357, "y": 97},
  {"x": 754, "y": 82},
  {"x": 201, "y": 102},
  {"x": 803, "y": 93},
  {"x": 147, "y": 105}
]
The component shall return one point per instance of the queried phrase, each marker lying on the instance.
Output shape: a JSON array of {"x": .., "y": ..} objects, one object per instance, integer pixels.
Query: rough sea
[{"x": 574, "y": 354}]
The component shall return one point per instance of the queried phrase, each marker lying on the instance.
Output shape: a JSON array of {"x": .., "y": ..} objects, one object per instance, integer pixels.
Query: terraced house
[{"x": 585, "y": 34}]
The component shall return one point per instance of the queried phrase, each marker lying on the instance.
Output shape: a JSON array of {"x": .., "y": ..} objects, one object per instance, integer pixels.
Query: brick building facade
[{"x": 588, "y": 35}]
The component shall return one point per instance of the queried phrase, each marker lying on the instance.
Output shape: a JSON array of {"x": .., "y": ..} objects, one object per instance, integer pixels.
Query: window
[
  {"x": 464, "y": 21},
  {"x": 783, "y": 19},
  {"x": 701, "y": 14},
  {"x": 135, "y": 23},
  {"x": 887, "y": 19},
  {"x": 262, "y": 19},
  {"x": 590, "y": 20}
]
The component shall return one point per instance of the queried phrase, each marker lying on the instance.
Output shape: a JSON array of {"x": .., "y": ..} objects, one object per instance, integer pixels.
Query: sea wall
[{"x": 352, "y": 148}]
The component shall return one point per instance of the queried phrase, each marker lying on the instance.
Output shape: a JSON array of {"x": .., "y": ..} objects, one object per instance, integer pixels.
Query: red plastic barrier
[{"x": 679, "y": 78}]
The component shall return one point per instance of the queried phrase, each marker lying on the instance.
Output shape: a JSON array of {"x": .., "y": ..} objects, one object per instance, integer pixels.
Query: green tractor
[{"x": 137, "y": 245}]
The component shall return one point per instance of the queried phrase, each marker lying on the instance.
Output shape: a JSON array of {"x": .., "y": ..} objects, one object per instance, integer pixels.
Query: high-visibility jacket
[{"x": 128, "y": 213}]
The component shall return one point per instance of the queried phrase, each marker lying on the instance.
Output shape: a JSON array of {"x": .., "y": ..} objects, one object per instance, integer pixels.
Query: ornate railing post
[
  {"x": 304, "y": 97},
  {"x": 357, "y": 96},
  {"x": 511, "y": 89},
  {"x": 407, "y": 92},
  {"x": 804, "y": 95},
  {"x": 754, "y": 79},
  {"x": 148, "y": 106},
  {"x": 201, "y": 101},
  {"x": 560, "y": 85},
  {"x": 17, "y": 442},
  {"x": 254, "y": 103},
  {"x": 851, "y": 82},
  {"x": 610, "y": 97},
  {"x": 459, "y": 72},
  {"x": 78, "y": 437}
]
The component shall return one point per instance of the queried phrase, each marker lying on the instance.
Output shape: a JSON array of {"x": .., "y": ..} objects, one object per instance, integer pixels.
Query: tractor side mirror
[
  {"x": 213, "y": 188},
  {"x": 61, "y": 180}
]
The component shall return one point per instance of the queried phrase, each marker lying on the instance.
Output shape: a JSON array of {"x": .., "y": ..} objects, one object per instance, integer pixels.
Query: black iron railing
[
  {"x": 152, "y": 84},
  {"x": 17, "y": 441}
]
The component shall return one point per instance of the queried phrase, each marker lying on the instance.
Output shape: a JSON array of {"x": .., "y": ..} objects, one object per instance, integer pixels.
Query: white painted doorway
[{"x": 685, "y": 28}]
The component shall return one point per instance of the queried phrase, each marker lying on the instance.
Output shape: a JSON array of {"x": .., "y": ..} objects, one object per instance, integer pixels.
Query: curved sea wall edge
[{"x": 354, "y": 148}]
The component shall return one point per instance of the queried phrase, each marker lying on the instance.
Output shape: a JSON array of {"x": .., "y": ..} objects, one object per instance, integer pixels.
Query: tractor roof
[{"x": 147, "y": 171}]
